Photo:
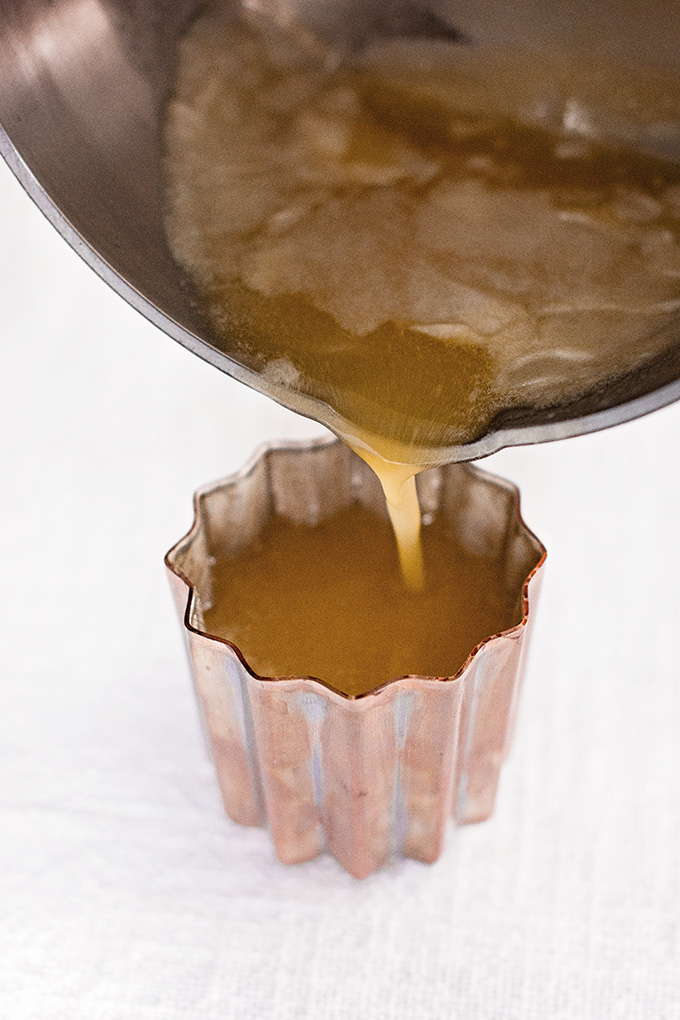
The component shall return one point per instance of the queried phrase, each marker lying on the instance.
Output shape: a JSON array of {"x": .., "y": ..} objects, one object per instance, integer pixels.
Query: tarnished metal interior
[{"x": 82, "y": 90}]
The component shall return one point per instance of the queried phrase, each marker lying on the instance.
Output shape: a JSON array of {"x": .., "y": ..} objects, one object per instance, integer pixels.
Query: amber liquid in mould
[{"x": 328, "y": 601}]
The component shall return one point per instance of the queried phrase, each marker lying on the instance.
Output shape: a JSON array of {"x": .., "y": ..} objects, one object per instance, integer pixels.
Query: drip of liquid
[
  {"x": 328, "y": 601},
  {"x": 398, "y": 482}
]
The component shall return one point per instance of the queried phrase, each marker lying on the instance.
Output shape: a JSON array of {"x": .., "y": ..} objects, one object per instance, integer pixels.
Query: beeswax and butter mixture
[
  {"x": 428, "y": 232},
  {"x": 423, "y": 234},
  {"x": 329, "y": 602}
]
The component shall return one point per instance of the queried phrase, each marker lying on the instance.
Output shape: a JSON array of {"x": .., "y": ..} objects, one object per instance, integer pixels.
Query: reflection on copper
[{"x": 381, "y": 773}]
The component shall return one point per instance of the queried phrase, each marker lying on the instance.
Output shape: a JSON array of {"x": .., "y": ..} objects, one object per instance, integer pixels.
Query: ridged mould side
[{"x": 360, "y": 777}]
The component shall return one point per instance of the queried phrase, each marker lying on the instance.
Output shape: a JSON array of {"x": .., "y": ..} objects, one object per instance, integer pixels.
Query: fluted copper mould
[{"x": 361, "y": 777}]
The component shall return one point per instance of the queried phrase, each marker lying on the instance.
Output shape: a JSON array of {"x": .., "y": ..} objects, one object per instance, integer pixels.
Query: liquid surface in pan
[{"x": 425, "y": 235}]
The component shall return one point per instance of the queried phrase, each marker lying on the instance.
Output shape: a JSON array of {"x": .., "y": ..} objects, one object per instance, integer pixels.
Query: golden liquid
[
  {"x": 426, "y": 236},
  {"x": 329, "y": 602},
  {"x": 398, "y": 482}
]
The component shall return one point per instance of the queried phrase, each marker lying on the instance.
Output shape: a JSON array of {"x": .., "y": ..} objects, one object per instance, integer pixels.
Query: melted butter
[
  {"x": 328, "y": 601},
  {"x": 398, "y": 482},
  {"x": 425, "y": 237},
  {"x": 429, "y": 235}
]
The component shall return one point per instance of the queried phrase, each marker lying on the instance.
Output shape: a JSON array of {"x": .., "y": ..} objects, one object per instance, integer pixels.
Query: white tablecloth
[{"x": 125, "y": 894}]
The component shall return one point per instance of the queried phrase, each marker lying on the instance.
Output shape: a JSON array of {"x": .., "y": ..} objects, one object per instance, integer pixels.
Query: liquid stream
[{"x": 398, "y": 482}]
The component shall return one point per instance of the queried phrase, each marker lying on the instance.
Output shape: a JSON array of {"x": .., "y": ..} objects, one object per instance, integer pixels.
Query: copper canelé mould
[{"x": 361, "y": 777}]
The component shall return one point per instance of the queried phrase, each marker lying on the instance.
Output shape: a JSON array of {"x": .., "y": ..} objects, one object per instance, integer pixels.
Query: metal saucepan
[{"x": 83, "y": 85}]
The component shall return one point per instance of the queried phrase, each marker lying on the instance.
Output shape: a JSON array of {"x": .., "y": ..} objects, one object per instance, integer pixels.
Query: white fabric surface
[{"x": 125, "y": 894}]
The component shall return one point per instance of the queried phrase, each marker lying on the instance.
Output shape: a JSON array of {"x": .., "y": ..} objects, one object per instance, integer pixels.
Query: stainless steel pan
[{"x": 82, "y": 90}]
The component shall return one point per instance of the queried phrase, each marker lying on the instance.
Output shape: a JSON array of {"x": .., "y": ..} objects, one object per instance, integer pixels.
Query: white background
[{"x": 125, "y": 894}]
